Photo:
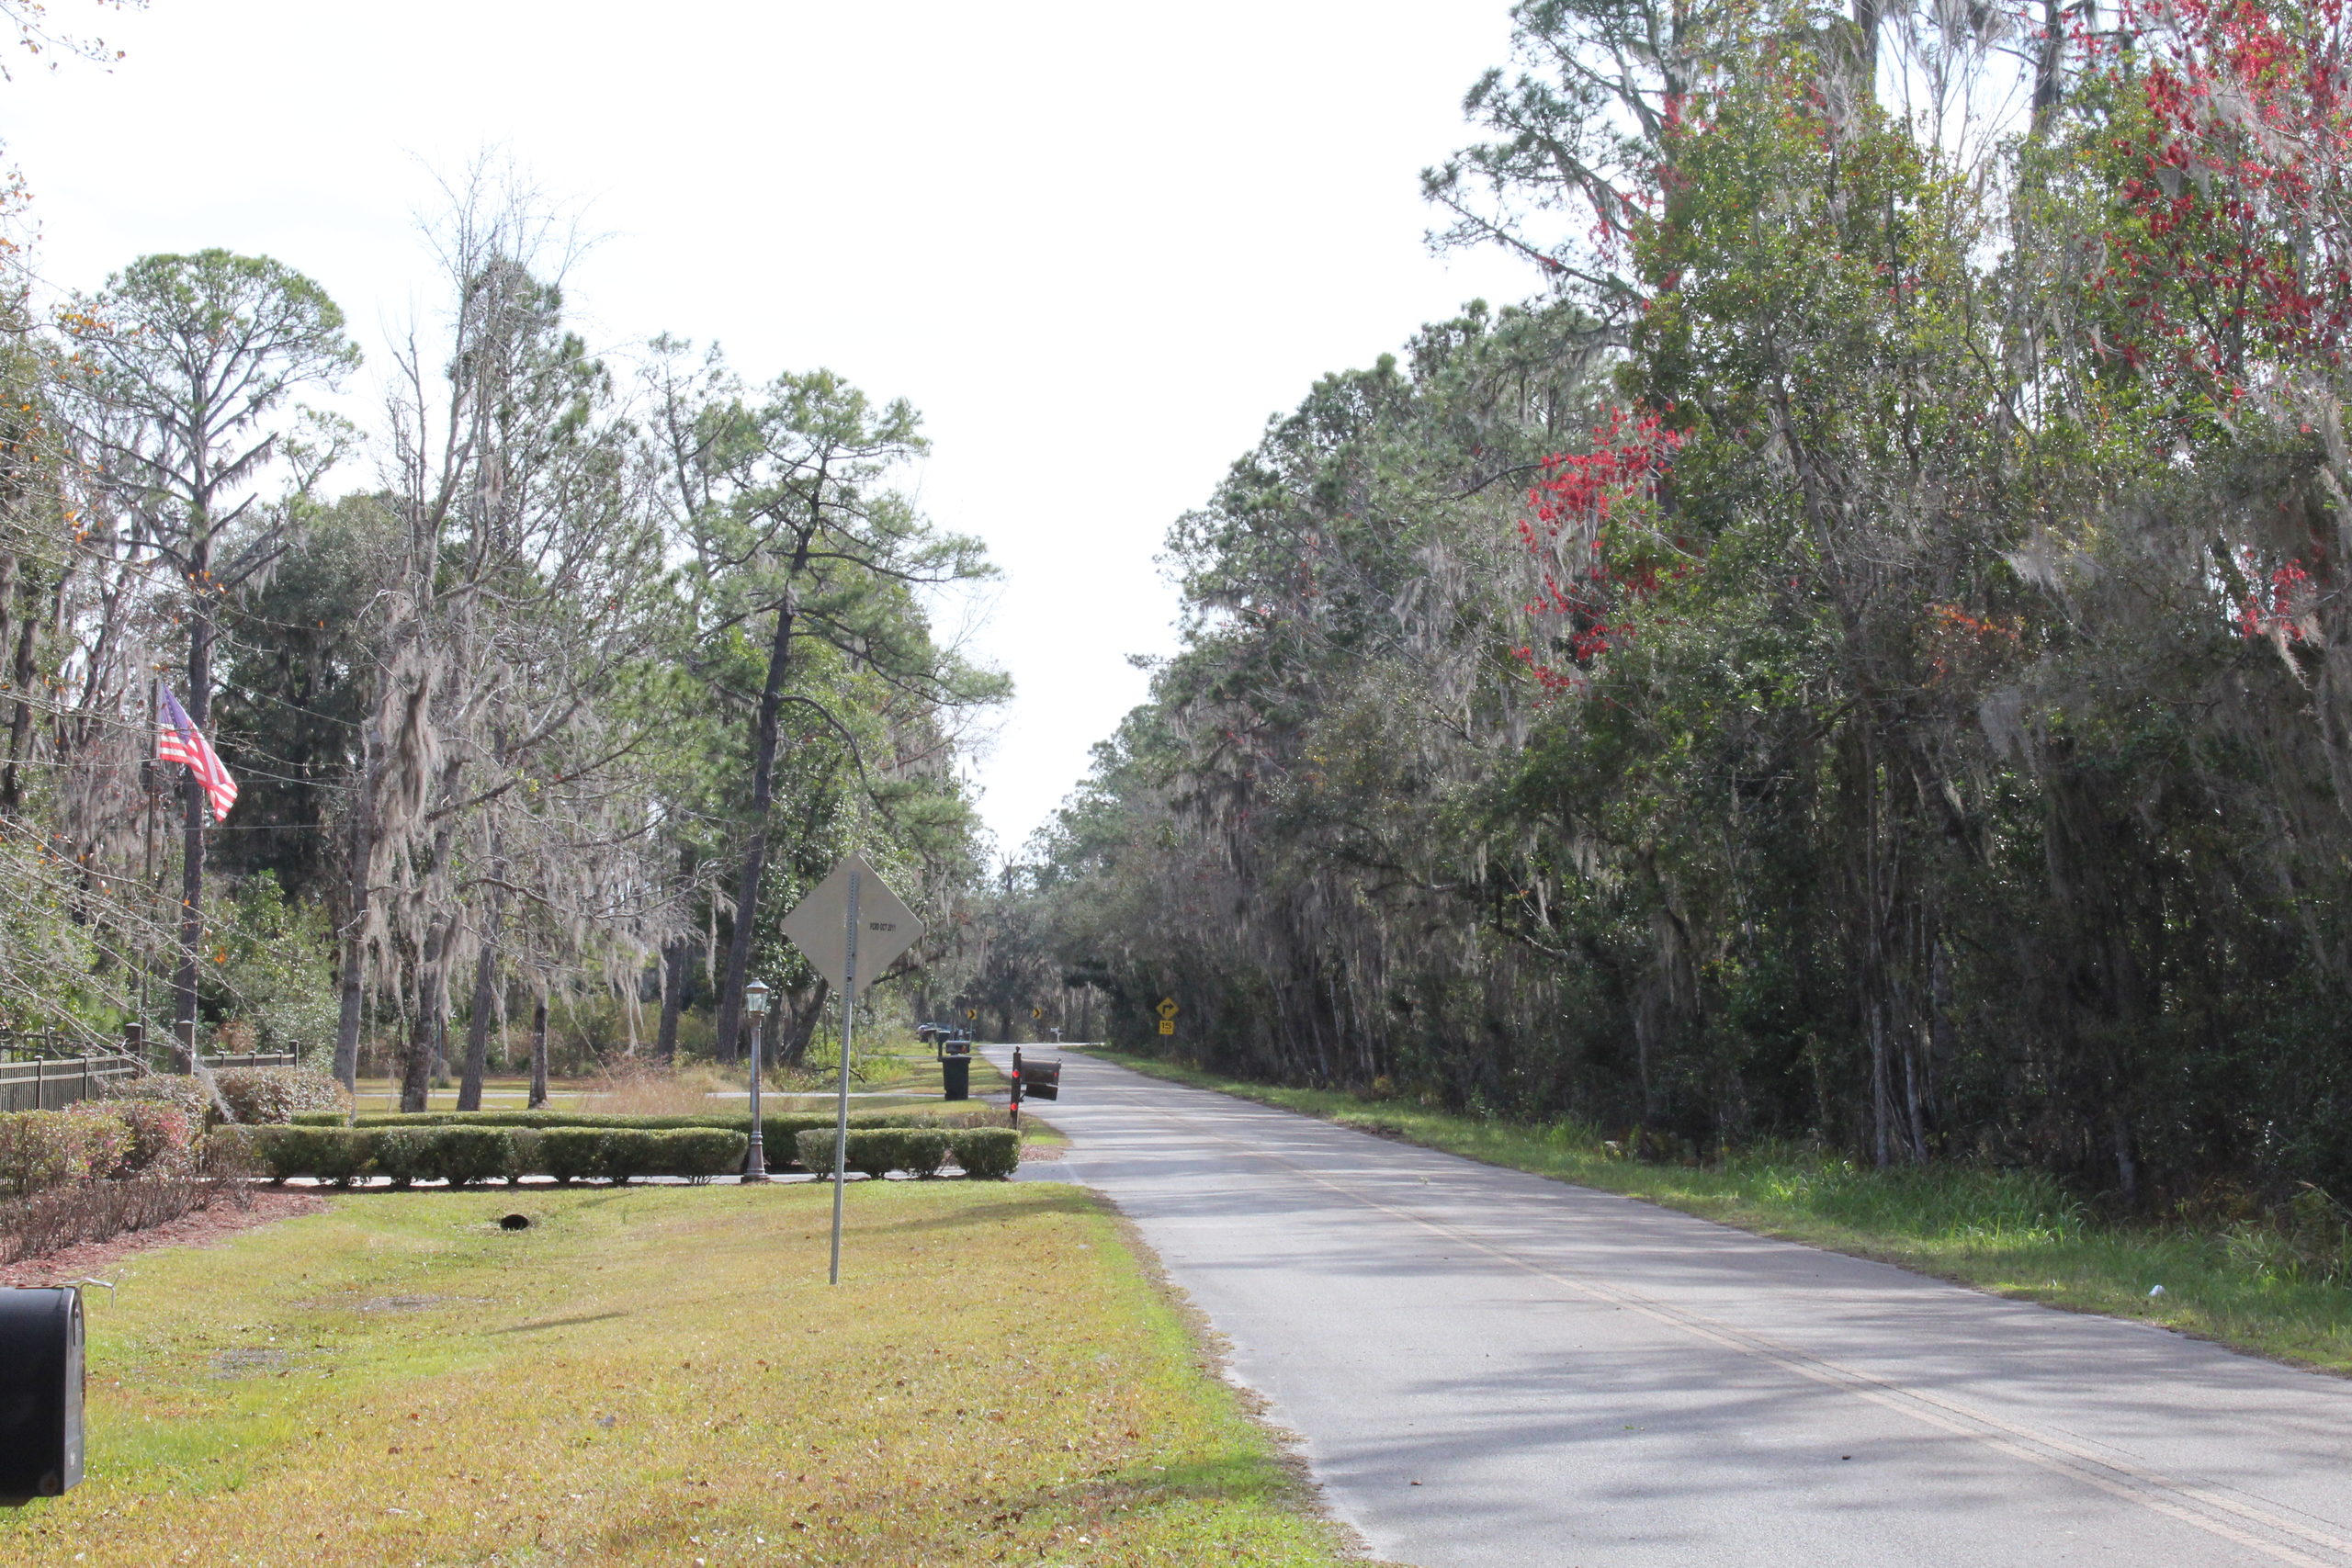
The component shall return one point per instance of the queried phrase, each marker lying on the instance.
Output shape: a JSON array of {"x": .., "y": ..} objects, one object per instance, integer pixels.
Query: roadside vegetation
[
  {"x": 662, "y": 1376},
  {"x": 1860, "y": 659},
  {"x": 2237, "y": 1272}
]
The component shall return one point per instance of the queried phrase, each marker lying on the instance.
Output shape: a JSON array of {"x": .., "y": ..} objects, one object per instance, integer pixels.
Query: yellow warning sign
[
  {"x": 1167, "y": 1026},
  {"x": 1167, "y": 1009}
]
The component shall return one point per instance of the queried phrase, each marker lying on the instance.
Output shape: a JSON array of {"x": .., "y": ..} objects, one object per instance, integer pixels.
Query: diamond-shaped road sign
[
  {"x": 818, "y": 924},
  {"x": 1167, "y": 1007}
]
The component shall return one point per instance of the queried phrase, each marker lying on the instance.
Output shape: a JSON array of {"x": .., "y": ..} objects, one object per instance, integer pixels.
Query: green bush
[
  {"x": 626, "y": 1152},
  {"x": 876, "y": 1151},
  {"x": 108, "y": 1142},
  {"x": 468, "y": 1155},
  {"x": 812, "y": 1149},
  {"x": 992, "y": 1153},
  {"x": 777, "y": 1132},
  {"x": 459, "y": 1156},
  {"x": 700, "y": 1153},
  {"x": 523, "y": 1157},
  {"x": 544, "y": 1119},
  {"x": 166, "y": 1088},
  {"x": 922, "y": 1150},
  {"x": 570, "y": 1152},
  {"x": 339, "y": 1155},
  {"x": 41, "y": 1149},
  {"x": 162, "y": 1135},
  {"x": 402, "y": 1153},
  {"x": 276, "y": 1095}
]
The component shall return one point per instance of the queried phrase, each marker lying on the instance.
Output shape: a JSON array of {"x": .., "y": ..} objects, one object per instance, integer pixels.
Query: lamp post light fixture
[{"x": 755, "y": 1158}]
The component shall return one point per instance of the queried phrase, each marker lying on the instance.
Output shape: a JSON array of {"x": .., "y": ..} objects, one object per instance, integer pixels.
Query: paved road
[{"x": 1488, "y": 1369}]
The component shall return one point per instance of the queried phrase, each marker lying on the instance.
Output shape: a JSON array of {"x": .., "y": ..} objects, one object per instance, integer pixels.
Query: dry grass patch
[{"x": 662, "y": 1376}]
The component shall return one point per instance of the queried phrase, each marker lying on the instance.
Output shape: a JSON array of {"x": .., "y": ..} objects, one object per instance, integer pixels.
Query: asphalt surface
[{"x": 1483, "y": 1367}]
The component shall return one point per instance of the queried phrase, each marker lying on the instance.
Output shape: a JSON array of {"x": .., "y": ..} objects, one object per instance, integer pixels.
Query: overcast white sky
[{"x": 1097, "y": 245}]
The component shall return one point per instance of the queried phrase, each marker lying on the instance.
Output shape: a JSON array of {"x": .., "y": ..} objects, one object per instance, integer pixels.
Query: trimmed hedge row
[
  {"x": 463, "y": 1156},
  {"x": 989, "y": 1152},
  {"x": 779, "y": 1133}
]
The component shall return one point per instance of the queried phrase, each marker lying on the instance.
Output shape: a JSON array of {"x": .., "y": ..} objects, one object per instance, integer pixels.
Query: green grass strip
[{"x": 662, "y": 1376}]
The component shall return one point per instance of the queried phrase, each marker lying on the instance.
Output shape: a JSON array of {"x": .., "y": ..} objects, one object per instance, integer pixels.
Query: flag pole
[
  {"x": 840, "y": 1107},
  {"x": 148, "y": 881}
]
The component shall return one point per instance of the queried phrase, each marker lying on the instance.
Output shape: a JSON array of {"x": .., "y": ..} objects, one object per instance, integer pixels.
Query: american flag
[{"x": 177, "y": 739}]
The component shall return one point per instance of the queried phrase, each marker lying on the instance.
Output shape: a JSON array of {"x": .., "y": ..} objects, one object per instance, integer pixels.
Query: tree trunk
[
  {"x": 478, "y": 1026},
  {"x": 26, "y": 592},
  {"x": 755, "y": 852},
  {"x": 432, "y": 1002},
  {"x": 358, "y": 900},
  {"x": 796, "y": 1021},
  {"x": 485, "y": 1001},
  {"x": 675, "y": 956},
  {"x": 539, "y": 1051}
]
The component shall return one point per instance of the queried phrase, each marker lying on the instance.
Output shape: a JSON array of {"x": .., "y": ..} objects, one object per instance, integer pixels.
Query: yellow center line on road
[{"x": 2119, "y": 1477}]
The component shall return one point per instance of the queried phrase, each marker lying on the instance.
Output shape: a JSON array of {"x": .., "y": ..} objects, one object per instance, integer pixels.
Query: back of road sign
[{"x": 819, "y": 925}]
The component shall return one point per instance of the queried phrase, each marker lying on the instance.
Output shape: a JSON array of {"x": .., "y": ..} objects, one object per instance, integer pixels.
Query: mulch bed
[{"x": 197, "y": 1229}]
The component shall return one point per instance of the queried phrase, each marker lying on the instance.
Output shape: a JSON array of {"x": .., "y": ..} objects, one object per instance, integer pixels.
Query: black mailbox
[
  {"x": 40, "y": 1394},
  {"x": 1041, "y": 1080}
]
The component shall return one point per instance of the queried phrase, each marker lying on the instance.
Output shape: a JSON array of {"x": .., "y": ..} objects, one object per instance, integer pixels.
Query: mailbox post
[{"x": 40, "y": 1394}]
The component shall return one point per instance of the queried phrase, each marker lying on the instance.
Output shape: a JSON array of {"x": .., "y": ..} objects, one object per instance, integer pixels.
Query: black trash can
[
  {"x": 957, "y": 1072},
  {"x": 40, "y": 1394}
]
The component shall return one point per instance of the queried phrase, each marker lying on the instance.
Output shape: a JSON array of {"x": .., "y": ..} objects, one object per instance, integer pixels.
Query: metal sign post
[
  {"x": 841, "y": 1111},
  {"x": 851, "y": 920}
]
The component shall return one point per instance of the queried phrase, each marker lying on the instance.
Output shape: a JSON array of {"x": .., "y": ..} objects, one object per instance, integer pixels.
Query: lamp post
[{"x": 755, "y": 1160}]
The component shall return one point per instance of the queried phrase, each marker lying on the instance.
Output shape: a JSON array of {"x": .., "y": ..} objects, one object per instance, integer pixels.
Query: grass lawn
[
  {"x": 660, "y": 1375},
  {"x": 2014, "y": 1233}
]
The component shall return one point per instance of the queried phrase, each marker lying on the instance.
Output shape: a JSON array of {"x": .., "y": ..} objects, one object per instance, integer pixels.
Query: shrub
[
  {"x": 777, "y": 1132},
  {"x": 100, "y": 1211},
  {"x": 700, "y": 1153},
  {"x": 521, "y": 1154},
  {"x": 41, "y": 1149},
  {"x": 459, "y": 1156},
  {"x": 275, "y": 1095},
  {"x": 992, "y": 1153},
  {"x": 161, "y": 1133},
  {"x": 107, "y": 1140},
  {"x": 626, "y": 1152},
  {"x": 402, "y": 1153},
  {"x": 340, "y": 1155},
  {"x": 165, "y": 1088},
  {"x": 922, "y": 1150},
  {"x": 876, "y": 1151},
  {"x": 466, "y": 1154},
  {"x": 812, "y": 1147},
  {"x": 570, "y": 1152}
]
